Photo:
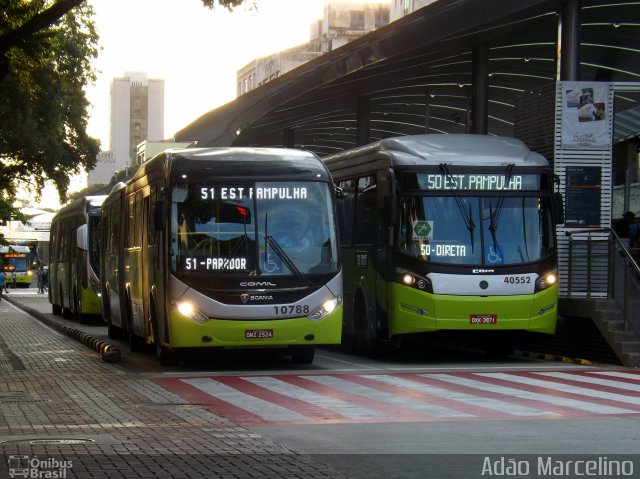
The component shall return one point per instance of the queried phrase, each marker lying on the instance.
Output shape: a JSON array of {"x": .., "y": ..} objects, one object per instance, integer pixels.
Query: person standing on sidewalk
[{"x": 3, "y": 279}]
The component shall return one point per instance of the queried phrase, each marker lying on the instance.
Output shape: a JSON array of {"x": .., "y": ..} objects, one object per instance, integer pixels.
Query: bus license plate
[
  {"x": 483, "y": 319},
  {"x": 258, "y": 333}
]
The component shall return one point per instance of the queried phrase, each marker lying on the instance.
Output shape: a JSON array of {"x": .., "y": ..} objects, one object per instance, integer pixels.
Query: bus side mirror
[
  {"x": 159, "y": 215},
  {"x": 558, "y": 208},
  {"x": 82, "y": 237}
]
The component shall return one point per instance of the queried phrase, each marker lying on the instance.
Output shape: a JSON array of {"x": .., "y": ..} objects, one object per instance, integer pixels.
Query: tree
[{"x": 46, "y": 50}]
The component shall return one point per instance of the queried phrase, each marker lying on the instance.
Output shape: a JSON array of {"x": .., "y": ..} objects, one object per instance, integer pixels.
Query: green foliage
[
  {"x": 46, "y": 49},
  {"x": 228, "y": 4}
]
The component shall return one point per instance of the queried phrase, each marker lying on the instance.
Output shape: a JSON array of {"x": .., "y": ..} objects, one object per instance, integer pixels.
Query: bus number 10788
[{"x": 292, "y": 309}]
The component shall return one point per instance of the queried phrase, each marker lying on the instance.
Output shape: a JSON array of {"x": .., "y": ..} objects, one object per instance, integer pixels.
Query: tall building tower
[{"x": 137, "y": 114}]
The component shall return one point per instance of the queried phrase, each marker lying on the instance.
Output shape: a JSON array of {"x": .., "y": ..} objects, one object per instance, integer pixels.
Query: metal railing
[{"x": 601, "y": 265}]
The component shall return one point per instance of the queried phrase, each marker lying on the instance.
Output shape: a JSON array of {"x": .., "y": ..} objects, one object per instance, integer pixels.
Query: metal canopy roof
[{"x": 417, "y": 74}]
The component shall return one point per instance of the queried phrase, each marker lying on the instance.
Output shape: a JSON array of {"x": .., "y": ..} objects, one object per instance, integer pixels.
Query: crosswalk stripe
[
  {"x": 618, "y": 374},
  {"x": 392, "y": 397},
  {"x": 474, "y": 400},
  {"x": 347, "y": 409},
  {"x": 593, "y": 380},
  {"x": 421, "y": 407},
  {"x": 558, "y": 386},
  {"x": 264, "y": 409},
  {"x": 525, "y": 394}
]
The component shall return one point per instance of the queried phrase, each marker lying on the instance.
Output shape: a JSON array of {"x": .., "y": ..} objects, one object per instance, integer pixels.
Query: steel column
[
  {"x": 480, "y": 89},
  {"x": 569, "y": 50}
]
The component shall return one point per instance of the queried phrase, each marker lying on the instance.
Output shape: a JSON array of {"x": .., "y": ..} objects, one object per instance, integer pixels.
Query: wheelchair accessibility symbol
[{"x": 494, "y": 255}]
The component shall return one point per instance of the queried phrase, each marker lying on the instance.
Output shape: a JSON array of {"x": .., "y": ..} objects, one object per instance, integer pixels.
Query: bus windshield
[
  {"x": 15, "y": 262},
  {"x": 253, "y": 229},
  {"x": 476, "y": 230}
]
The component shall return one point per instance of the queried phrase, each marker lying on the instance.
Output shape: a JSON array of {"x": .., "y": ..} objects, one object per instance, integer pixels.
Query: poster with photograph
[{"x": 585, "y": 121}]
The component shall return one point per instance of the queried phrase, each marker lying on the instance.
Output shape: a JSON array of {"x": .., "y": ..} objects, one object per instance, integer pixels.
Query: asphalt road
[{"x": 592, "y": 418}]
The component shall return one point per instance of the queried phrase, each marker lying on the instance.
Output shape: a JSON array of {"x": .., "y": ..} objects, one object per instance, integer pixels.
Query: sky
[{"x": 196, "y": 51}]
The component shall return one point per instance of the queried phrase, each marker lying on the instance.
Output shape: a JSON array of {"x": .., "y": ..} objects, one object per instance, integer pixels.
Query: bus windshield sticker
[
  {"x": 260, "y": 193},
  {"x": 422, "y": 230},
  {"x": 494, "y": 254},
  {"x": 270, "y": 263},
  {"x": 478, "y": 182}
]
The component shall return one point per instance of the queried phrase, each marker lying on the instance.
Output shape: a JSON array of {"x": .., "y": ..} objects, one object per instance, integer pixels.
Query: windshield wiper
[
  {"x": 270, "y": 241},
  {"x": 467, "y": 216},
  {"x": 494, "y": 215}
]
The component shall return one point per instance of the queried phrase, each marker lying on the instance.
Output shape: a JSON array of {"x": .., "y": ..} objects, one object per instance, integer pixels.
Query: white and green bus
[
  {"x": 199, "y": 252},
  {"x": 446, "y": 233},
  {"x": 74, "y": 259},
  {"x": 16, "y": 260}
]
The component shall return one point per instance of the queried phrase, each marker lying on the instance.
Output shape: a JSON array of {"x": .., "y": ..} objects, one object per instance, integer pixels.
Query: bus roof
[
  {"x": 241, "y": 162},
  {"x": 14, "y": 249},
  {"x": 455, "y": 149},
  {"x": 80, "y": 204}
]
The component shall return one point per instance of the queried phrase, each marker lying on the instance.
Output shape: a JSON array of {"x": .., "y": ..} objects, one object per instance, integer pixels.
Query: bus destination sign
[{"x": 478, "y": 182}]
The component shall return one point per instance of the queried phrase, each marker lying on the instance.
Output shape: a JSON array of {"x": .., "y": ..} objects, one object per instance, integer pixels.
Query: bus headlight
[
  {"x": 408, "y": 278},
  {"x": 325, "y": 309},
  {"x": 546, "y": 280},
  {"x": 188, "y": 310}
]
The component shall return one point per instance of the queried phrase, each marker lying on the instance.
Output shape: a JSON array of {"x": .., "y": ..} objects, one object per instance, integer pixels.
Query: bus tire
[
  {"x": 56, "y": 309},
  {"x": 166, "y": 357},
  {"x": 367, "y": 342},
  {"x": 303, "y": 354},
  {"x": 77, "y": 314},
  {"x": 135, "y": 342}
]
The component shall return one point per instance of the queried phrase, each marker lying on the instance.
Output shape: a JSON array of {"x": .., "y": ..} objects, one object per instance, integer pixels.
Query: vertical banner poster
[
  {"x": 585, "y": 115},
  {"x": 582, "y": 201}
]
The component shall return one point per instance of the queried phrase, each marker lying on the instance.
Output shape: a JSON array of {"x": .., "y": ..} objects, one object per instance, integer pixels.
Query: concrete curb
[
  {"x": 109, "y": 352},
  {"x": 553, "y": 357}
]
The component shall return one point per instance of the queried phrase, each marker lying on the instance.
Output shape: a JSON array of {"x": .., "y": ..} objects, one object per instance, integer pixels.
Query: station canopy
[{"x": 416, "y": 74}]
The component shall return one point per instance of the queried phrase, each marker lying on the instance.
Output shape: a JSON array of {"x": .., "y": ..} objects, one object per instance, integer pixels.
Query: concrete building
[
  {"x": 137, "y": 114},
  {"x": 149, "y": 149},
  {"x": 400, "y": 8},
  {"x": 340, "y": 24}
]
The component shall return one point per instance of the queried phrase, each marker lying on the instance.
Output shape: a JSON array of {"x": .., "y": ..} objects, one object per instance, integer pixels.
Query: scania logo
[
  {"x": 483, "y": 271},
  {"x": 245, "y": 298},
  {"x": 257, "y": 284}
]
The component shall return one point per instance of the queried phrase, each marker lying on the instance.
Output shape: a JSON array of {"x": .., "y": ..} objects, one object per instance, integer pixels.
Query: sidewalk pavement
[{"x": 64, "y": 412}]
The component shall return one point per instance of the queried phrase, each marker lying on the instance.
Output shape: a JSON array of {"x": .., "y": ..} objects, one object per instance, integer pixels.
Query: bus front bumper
[
  {"x": 416, "y": 312},
  {"x": 298, "y": 331}
]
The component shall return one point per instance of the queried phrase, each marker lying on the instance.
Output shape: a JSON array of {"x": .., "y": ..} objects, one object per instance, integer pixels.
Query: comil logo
[{"x": 32, "y": 467}]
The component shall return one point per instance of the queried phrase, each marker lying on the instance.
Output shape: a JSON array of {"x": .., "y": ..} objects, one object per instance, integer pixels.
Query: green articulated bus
[
  {"x": 447, "y": 232},
  {"x": 74, "y": 259},
  {"x": 223, "y": 248},
  {"x": 16, "y": 259}
]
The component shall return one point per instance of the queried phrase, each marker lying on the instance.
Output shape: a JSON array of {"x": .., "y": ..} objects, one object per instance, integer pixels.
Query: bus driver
[{"x": 294, "y": 236}]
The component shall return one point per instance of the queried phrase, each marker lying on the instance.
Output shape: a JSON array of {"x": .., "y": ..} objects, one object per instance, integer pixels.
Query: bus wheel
[
  {"x": 56, "y": 309},
  {"x": 113, "y": 332},
  {"x": 135, "y": 343},
  {"x": 303, "y": 354},
  {"x": 367, "y": 341},
  {"x": 77, "y": 314},
  {"x": 165, "y": 356}
]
